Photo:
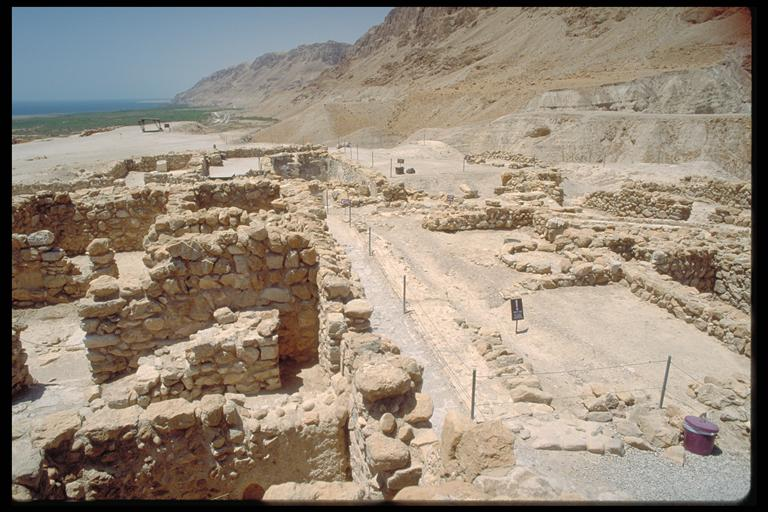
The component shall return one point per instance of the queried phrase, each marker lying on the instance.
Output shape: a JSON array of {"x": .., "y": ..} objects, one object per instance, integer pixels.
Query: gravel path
[{"x": 645, "y": 476}]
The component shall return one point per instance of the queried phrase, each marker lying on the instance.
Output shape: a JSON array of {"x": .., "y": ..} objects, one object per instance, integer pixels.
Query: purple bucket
[{"x": 699, "y": 435}]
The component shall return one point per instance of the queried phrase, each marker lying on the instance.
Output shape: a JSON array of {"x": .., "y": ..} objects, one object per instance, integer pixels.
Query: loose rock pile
[{"x": 727, "y": 400}]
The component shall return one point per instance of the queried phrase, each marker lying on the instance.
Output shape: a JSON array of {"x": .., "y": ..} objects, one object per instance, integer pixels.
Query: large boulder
[
  {"x": 358, "y": 308},
  {"x": 419, "y": 410},
  {"x": 174, "y": 414},
  {"x": 55, "y": 428},
  {"x": 517, "y": 483},
  {"x": 455, "y": 490},
  {"x": 382, "y": 380},
  {"x": 314, "y": 491},
  {"x": 40, "y": 238},
  {"x": 487, "y": 445},
  {"x": 104, "y": 288},
  {"x": 454, "y": 426},
  {"x": 526, "y": 394},
  {"x": 387, "y": 453}
]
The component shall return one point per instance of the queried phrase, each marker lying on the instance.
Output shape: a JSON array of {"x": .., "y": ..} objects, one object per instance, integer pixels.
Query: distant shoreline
[{"x": 26, "y": 109}]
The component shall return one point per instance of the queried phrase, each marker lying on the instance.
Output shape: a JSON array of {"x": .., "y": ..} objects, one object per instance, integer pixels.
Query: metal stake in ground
[
  {"x": 390, "y": 167},
  {"x": 472, "y": 409},
  {"x": 464, "y": 164},
  {"x": 369, "y": 240},
  {"x": 350, "y": 214},
  {"x": 357, "y": 152},
  {"x": 664, "y": 385},
  {"x": 371, "y": 158}
]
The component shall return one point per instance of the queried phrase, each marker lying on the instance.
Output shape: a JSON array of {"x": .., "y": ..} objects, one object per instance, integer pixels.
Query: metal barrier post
[{"x": 664, "y": 385}]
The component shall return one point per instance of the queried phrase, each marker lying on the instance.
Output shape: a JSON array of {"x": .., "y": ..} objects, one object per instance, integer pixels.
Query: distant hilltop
[{"x": 250, "y": 84}]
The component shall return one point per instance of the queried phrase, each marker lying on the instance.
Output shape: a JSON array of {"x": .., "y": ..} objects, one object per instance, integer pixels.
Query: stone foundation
[
  {"x": 122, "y": 215},
  {"x": 20, "y": 377},
  {"x": 730, "y": 215},
  {"x": 464, "y": 219},
  {"x": 240, "y": 355},
  {"x": 210, "y": 448},
  {"x": 726, "y": 323},
  {"x": 635, "y": 202},
  {"x": 42, "y": 274}
]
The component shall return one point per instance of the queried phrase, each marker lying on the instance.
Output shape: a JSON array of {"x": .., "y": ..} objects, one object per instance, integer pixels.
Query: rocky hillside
[
  {"x": 450, "y": 67},
  {"x": 250, "y": 84}
]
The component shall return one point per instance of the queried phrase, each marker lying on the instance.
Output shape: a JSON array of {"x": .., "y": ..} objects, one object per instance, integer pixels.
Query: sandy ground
[
  {"x": 440, "y": 169},
  {"x": 61, "y": 157}
]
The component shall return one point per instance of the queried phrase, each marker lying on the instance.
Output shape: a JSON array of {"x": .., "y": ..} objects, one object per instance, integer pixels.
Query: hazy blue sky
[{"x": 83, "y": 53}]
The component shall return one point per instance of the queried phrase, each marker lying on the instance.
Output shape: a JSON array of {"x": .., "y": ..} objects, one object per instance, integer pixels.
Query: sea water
[{"x": 42, "y": 108}]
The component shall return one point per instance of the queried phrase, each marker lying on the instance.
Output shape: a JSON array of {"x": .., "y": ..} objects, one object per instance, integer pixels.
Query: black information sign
[{"x": 517, "y": 309}]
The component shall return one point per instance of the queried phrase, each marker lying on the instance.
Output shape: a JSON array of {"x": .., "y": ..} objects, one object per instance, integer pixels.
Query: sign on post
[
  {"x": 517, "y": 309},
  {"x": 516, "y": 306}
]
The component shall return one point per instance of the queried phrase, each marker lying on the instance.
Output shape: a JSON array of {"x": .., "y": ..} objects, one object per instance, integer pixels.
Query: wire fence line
[
  {"x": 455, "y": 379},
  {"x": 458, "y": 380},
  {"x": 688, "y": 374},
  {"x": 509, "y": 402}
]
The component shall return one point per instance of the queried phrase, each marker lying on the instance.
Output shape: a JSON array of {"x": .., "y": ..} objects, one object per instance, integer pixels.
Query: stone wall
[
  {"x": 733, "y": 280},
  {"x": 239, "y": 355},
  {"x": 731, "y": 215},
  {"x": 164, "y": 178},
  {"x": 20, "y": 377},
  {"x": 539, "y": 180},
  {"x": 192, "y": 275},
  {"x": 722, "y": 321},
  {"x": 248, "y": 194},
  {"x": 66, "y": 186},
  {"x": 389, "y": 429},
  {"x": 737, "y": 194},
  {"x": 42, "y": 274},
  {"x": 343, "y": 173},
  {"x": 635, "y": 202},
  {"x": 122, "y": 215},
  {"x": 453, "y": 219},
  {"x": 211, "y": 448}
]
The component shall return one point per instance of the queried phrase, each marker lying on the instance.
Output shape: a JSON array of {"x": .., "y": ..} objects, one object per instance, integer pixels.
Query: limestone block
[
  {"x": 487, "y": 445},
  {"x": 40, "y": 238},
  {"x": 377, "y": 381},
  {"x": 98, "y": 247},
  {"x": 386, "y": 453},
  {"x": 419, "y": 410},
  {"x": 358, "y": 308},
  {"x": 104, "y": 287}
]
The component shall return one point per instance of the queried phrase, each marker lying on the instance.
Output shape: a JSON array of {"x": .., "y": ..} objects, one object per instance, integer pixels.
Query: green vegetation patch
[{"x": 69, "y": 124}]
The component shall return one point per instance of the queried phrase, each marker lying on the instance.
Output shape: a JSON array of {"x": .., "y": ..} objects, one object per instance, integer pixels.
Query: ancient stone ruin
[{"x": 225, "y": 348}]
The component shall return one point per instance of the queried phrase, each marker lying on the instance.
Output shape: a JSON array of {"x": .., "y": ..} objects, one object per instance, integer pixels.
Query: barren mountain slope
[
  {"x": 443, "y": 67},
  {"x": 249, "y": 84}
]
